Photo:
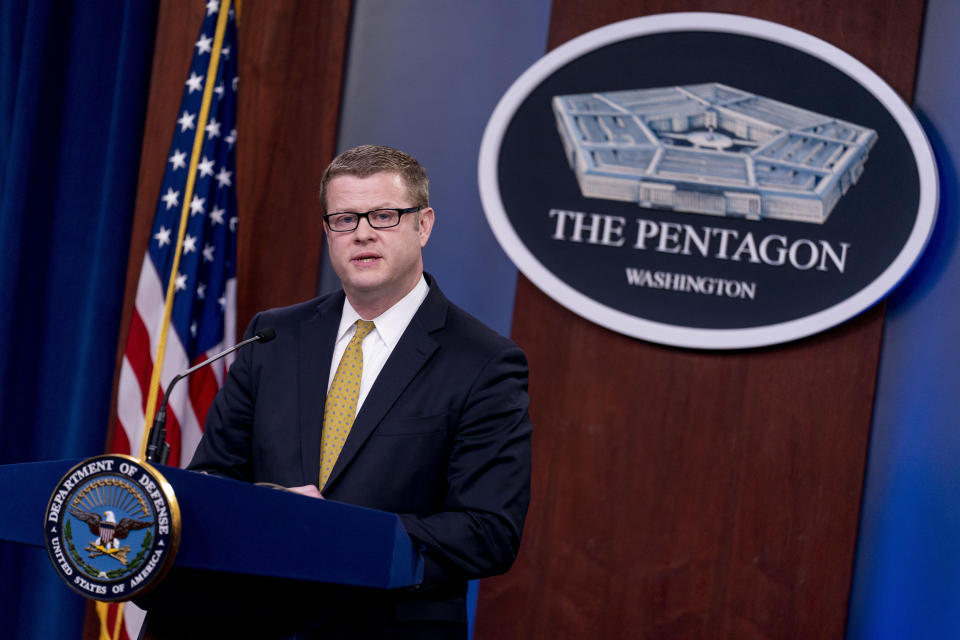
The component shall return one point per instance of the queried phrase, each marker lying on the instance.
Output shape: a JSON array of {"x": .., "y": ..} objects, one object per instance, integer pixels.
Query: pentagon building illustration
[{"x": 711, "y": 149}]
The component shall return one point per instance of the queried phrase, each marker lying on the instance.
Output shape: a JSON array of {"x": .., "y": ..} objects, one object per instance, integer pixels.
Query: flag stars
[
  {"x": 195, "y": 82},
  {"x": 178, "y": 160},
  {"x": 205, "y": 167},
  {"x": 205, "y": 143},
  {"x": 196, "y": 205},
  {"x": 204, "y": 44},
  {"x": 163, "y": 236},
  {"x": 186, "y": 121},
  {"x": 224, "y": 177},
  {"x": 212, "y": 129},
  {"x": 171, "y": 198}
]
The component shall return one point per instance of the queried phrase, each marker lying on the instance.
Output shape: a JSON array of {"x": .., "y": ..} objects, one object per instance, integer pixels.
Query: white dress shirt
[{"x": 379, "y": 343}]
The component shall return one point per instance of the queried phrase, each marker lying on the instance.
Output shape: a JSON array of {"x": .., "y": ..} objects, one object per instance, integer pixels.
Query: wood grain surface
[{"x": 291, "y": 64}]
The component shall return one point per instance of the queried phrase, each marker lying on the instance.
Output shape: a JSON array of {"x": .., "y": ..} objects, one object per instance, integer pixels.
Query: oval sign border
[{"x": 660, "y": 332}]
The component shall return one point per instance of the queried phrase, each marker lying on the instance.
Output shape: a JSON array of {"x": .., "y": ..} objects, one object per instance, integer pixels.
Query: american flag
[{"x": 191, "y": 257}]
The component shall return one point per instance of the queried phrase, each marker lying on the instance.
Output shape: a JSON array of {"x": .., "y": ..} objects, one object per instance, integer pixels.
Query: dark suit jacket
[{"x": 443, "y": 437}]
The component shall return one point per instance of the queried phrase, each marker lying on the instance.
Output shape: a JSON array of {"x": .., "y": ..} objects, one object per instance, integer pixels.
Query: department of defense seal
[{"x": 112, "y": 528}]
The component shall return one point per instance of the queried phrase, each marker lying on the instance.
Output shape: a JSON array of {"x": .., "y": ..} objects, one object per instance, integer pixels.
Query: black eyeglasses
[{"x": 378, "y": 219}]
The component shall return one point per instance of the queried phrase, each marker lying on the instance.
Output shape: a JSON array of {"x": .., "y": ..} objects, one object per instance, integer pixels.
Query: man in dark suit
[{"x": 439, "y": 431}]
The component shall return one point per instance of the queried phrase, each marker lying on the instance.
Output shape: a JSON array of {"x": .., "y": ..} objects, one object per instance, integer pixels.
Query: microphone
[{"x": 158, "y": 450}]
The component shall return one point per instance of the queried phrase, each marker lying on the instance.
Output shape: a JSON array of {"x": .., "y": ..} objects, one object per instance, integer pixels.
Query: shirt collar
[{"x": 390, "y": 324}]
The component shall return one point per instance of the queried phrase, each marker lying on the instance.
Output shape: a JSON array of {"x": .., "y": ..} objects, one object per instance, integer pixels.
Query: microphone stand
[{"x": 158, "y": 449}]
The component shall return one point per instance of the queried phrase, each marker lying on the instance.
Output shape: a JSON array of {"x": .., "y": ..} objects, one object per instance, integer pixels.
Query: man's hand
[{"x": 307, "y": 490}]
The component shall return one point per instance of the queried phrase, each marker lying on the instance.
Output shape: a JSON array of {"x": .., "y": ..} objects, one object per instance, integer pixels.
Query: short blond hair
[{"x": 369, "y": 159}]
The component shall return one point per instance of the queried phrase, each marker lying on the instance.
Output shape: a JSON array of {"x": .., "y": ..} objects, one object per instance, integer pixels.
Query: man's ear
[{"x": 425, "y": 225}]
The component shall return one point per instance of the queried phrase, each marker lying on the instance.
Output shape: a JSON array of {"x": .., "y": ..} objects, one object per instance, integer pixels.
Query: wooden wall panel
[
  {"x": 689, "y": 494},
  {"x": 291, "y": 71},
  {"x": 291, "y": 63}
]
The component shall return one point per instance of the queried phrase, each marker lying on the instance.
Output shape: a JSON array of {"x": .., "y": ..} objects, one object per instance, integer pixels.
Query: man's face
[{"x": 377, "y": 267}]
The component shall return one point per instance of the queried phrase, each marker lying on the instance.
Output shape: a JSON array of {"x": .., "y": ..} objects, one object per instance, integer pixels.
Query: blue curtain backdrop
[
  {"x": 74, "y": 79},
  {"x": 908, "y": 558}
]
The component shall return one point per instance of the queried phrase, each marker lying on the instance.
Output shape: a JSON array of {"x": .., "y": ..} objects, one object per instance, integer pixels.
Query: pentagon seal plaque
[
  {"x": 112, "y": 528},
  {"x": 708, "y": 181}
]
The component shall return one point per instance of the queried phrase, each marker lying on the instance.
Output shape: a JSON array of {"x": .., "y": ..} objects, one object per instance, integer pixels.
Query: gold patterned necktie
[{"x": 341, "y": 407}]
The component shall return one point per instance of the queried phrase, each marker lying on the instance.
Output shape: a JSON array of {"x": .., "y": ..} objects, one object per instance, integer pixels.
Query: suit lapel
[
  {"x": 317, "y": 338},
  {"x": 411, "y": 353}
]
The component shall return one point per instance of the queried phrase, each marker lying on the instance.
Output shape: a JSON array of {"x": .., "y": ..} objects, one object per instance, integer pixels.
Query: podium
[{"x": 241, "y": 544}]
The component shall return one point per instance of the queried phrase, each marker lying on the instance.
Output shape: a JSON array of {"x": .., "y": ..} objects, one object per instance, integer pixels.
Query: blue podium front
[{"x": 232, "y": 530}]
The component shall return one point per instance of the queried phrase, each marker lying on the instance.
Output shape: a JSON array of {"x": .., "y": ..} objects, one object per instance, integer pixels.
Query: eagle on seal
[{"x": 107, "y": 529}]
